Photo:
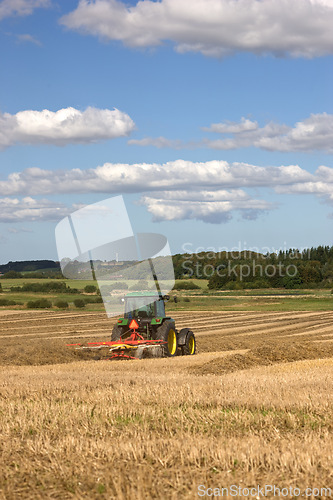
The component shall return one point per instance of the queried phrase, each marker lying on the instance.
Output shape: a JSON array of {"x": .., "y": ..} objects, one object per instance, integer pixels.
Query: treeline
[
  {"x": 29, "y": 266},
  {"x": 310, "y": 268},
  {"x": 289, "y": 268},
  {"x": 49, "y": 287}
]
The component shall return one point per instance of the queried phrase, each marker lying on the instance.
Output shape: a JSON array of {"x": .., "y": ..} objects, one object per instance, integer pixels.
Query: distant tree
[
  {"x": 61, "y": 304},
  {"x": 292, "y": 281},
  {"x": 90, "y": 289},
  {"x": 7, "y": 302},
  {"x": 186, "y": 285},
  {"x": 311, "y": 272},
  {"x": 39, "y": 304},
  {"x": 217, "y": 282},
  {"x": 30, "y": 265},
  {"x": 93, "y": 300},
  {"x": 12, "y": 275},
  {"x": 79, "y": 303}
]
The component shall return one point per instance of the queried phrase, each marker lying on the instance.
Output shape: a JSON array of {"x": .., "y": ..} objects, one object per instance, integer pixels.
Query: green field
[
  {"x": 204, "y": 299},
  {"x": 23, "y": 297},
  {"x": 315, "y": 302}
]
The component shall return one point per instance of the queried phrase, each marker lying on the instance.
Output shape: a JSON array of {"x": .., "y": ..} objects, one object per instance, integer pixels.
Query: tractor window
[
  {"x": 160, "y": 311},
  {"x": 137, "y": 307}
]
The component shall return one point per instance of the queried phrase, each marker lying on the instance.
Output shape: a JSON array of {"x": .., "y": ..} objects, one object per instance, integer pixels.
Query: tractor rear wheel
[
  {"x": 167, "y": 333},
  {"x": 190, "y": 345}
]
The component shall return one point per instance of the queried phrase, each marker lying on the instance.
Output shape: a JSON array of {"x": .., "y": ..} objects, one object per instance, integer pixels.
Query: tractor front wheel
[{"x": 167, "y": 333}]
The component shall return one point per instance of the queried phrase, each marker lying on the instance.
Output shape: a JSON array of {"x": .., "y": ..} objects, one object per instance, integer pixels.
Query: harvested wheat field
[{"x": 253, "y": 407}]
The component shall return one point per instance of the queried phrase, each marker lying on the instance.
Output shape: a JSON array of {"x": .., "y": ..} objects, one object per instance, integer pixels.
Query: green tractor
[{"x": 145, "y": 314}]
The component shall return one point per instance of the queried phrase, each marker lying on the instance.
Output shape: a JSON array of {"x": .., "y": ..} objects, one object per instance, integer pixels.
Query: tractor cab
[{"x": 144, "y": 305}]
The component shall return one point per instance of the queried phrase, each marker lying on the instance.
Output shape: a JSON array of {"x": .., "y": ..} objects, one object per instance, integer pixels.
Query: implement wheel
[
  {"x": 167, "y": 333},
  {"x": 190, "y": 345}
]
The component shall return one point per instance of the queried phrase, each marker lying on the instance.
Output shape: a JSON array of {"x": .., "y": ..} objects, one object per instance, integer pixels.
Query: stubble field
[{"x": 254, "y": 406}]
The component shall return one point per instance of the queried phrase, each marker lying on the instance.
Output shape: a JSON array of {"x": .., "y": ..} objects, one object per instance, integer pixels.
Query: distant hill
[{"x": 29, "y": 265}]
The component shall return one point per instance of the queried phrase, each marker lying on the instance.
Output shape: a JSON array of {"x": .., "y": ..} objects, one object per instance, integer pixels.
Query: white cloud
[
  {"x": 227, "y": 127},
  {"x": 209, "y": 206},
  {"x": 26, "y": 38},
  {"x": 146, "y": 177},
  {"x": 10, "y": 8},
  {"x": 301, "y": 28},
  {"x": 210, "y": 191},
  {"x": 29, "y": 209},
  {"x": 221, "y": 195},
  {"x": 315, "y": 133},
  {"x": 321, "y": 185},
  {"x": 64, "y": 126}
]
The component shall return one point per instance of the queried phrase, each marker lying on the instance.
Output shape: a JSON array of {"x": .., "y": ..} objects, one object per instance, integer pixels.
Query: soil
[{"x": 40, "y": 337}]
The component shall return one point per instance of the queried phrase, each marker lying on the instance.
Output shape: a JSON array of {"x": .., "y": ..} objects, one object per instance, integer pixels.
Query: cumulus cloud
[
  {"x": 209, "y": 191},
  {"x": 228, "y": 127},
  {"x": 301, "y": 28},
  {"x": 321, "y": 185},
  {"x": 64, "y": 126},
  {"x": 30, "y": 209},
  {"x": 10, "y": 8},
  {"x": 208, "y": 206},
  {"x": 314, "y": 133},
  {"x": 146, "y": 177}
]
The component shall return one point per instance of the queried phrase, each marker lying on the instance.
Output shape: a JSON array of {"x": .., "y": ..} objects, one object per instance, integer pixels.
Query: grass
[
  {"x": 201, "y": 283},
  {"x": 315, "y": 301},
  {"x": 23, "y": 297},
  {"x": 198, "y": 303},
  {"x": 247, "y": 300},
  {"x": 8, "y": 283},
  {"x": 265, "y": 292}
]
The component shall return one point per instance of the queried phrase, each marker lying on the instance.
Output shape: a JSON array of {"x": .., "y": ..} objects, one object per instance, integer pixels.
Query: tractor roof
[{"x": 143, "y": 294}]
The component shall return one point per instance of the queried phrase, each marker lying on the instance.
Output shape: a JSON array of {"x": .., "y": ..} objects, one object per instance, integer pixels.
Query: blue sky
[{"x": 213, "y": 118}]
